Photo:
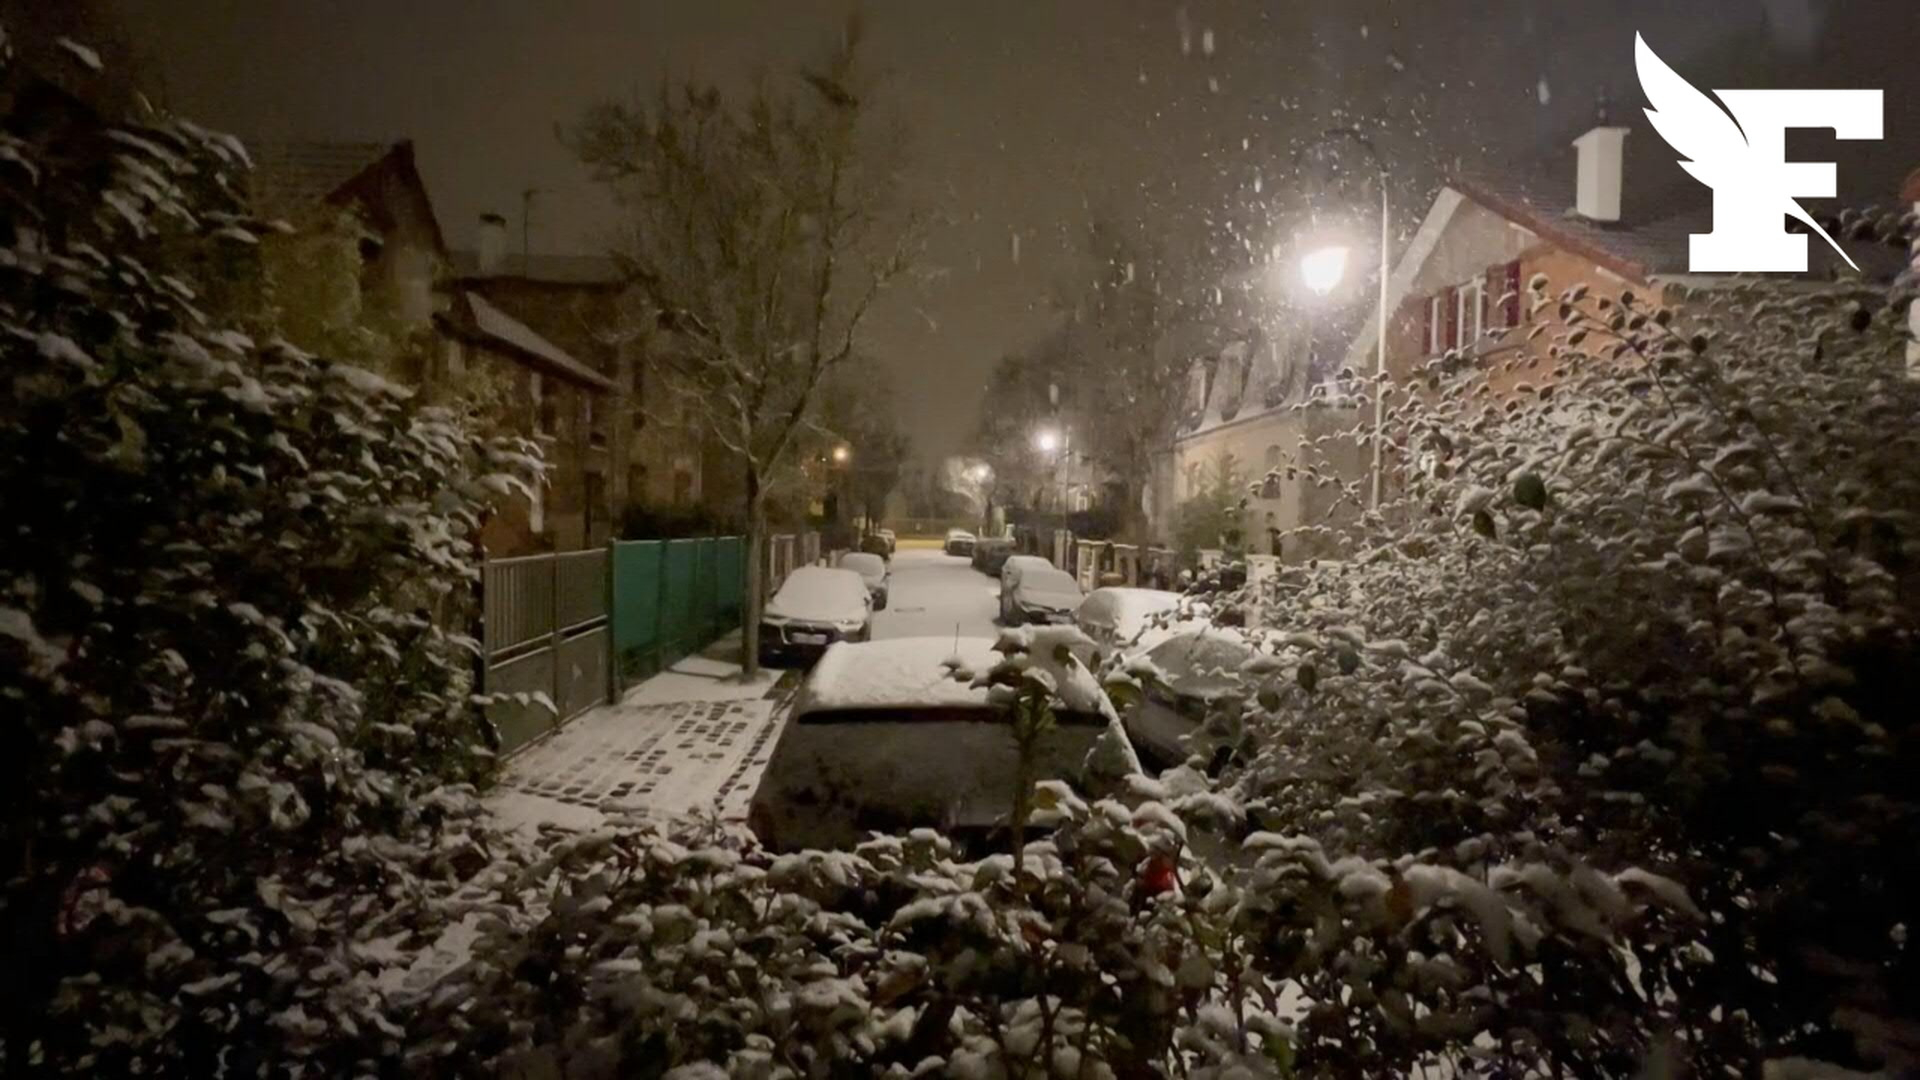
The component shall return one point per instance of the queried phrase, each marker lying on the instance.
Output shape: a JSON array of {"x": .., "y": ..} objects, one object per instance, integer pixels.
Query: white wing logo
[{"x": 1716, "y": 151}]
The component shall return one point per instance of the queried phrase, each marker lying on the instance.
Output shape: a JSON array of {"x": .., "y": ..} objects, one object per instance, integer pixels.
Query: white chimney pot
[
  {"x": 492, "y": 249},
  {"x": 1602, "y": 158}
]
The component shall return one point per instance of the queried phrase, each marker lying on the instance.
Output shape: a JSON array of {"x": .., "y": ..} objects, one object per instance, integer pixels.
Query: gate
[{"x": 545, "y": 636}]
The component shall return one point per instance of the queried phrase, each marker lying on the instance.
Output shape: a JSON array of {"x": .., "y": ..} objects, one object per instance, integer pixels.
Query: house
[
  {"x": 406, "y": 279},
  {"x": 1247, "y": 405},
  {"x": 642, "y": 446}
]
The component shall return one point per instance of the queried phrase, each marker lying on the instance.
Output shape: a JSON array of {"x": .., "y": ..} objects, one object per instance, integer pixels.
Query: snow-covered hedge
[
  {"x": 1656, "y": 607},
  {"x": 234, "y": 579}
]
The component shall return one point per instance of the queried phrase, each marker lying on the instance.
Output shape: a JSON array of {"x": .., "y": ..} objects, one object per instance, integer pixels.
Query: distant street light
[
  {"x": 980, "y": 474},
  {"x": 1324, "y": 268},
  {"x": 841, "y": 455},
  {"x": 1047, "y": 440}
]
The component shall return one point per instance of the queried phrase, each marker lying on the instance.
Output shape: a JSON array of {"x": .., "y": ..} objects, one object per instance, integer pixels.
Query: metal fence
[
  {"x": 545, "y": 640},
  {"x": 563, "y": 632}
]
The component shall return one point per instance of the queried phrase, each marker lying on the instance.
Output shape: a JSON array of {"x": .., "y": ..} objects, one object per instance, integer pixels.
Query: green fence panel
[
  {"x": 709, "y": 602},
  {"x": 729, "y": 564},
  {"x": 677, "y": 630},
  {"x": 636, "y": 602}
]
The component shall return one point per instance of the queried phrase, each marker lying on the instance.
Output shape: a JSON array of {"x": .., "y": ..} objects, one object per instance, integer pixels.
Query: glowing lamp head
[
  {"x": 1324, "y": 268},
  {"x": 1047, "y": 441}
]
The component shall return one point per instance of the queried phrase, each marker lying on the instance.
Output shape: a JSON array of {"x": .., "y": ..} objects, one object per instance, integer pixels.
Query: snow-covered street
[{"x": 936, "y": 594}]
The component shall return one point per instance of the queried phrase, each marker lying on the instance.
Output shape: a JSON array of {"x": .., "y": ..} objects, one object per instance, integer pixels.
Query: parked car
[
  {"x": 892, "y": 541},
  {"x": 1044, "y": 595},
  {"x": 991, "y": 553},
  {"x": 873, "y": 573},
  {"x": 815, "y": 607},
  {"x": 959, "y": 542},
  {"x": 1196, "y": 669},
  {"x": 884, "y": 738},
  {"x": 1010, "y": 576},
  {"x": 1115, "y": 616}
]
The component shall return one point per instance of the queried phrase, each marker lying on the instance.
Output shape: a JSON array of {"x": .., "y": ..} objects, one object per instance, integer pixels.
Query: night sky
[{"x": 1025, "y": 115}]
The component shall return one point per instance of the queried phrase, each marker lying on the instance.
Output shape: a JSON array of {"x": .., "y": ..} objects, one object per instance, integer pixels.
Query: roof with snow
[
  {"x": 1654, "y": 242},
  {"x": 491, "y": 326},
  {"x": 820, "y": 594}
]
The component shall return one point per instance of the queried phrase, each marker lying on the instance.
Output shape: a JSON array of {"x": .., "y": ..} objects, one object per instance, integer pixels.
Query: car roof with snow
[
  {"x": 1046, "y": 581},
  {"x": 869, "y": 566},
  {"x": 955, "y": 534},
  {"x": 940, "y": 673},
  {"x": 1125, "y": 608},
  {"x": 1201, "y": 663},
  {"x": 1022, "y": 563},
  {"x": 818, "y": 592}
]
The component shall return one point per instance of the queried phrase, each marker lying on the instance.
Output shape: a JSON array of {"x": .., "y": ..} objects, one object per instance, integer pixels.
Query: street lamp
[
  {"x": 841, "y": 455},
  {"x": 1047, "y": 440},
  {"x": 1323, "y": 270}
]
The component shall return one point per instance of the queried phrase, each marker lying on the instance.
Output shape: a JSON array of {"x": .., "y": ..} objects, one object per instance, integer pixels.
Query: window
[
  {"x": 1437, "y": 323},
  {"x": 1470, "y": 313}
]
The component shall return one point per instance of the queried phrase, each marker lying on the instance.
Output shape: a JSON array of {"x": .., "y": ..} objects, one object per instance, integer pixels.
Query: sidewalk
[{"x": 688, "y": 741}]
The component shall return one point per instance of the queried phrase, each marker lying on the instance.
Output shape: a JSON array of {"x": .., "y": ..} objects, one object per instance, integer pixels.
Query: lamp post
[
  {"x": 1053, "y": 443},
  {"x": 1323, "y": 269}
]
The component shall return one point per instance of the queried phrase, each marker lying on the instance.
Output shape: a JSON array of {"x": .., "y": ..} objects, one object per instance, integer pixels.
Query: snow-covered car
[
  {"x": 1044, "y": 595},
  {"x": 815, "y": 607},
  {"x": 1010, "y": 576},
  {"x": 1115, "y": 616},
  {"x": 959, "y": 542},
  {"x": 873, "y": 573},
  {"x": 892, "y": 541},
  {"x": 895, "y": 735},
  {"x": 1190, "y": 672},
  {"x": 990, "y": 553}
]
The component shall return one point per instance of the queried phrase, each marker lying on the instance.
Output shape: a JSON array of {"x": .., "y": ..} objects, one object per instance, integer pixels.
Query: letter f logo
[{"x": 1743, "y": 158}]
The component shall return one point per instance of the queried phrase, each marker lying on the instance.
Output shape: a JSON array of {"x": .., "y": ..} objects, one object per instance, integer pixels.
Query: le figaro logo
[{"x": 1740, "y": 151}]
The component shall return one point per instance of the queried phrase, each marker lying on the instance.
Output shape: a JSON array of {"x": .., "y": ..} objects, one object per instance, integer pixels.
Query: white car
[
  {"x": 1116, "y": 616},
  {"x": 959, "y": 542},
  {"x": 1010, "y": 576},
  {"x": 815, "y": 607},
  {"x": 1193, "y": 670},
  {"x": 1043, "y": 596},
  {"x": 894, "y": 735},
  {"x": 873, "y": 571}
]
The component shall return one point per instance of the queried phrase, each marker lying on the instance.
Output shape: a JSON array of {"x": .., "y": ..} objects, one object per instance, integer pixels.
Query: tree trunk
[{"x": 753, "y": 603}]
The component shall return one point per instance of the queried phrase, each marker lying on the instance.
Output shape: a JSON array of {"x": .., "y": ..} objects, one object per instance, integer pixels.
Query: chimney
[
  {"x": 1602, "y": 155},
  {"x": 492, "y": 251}
]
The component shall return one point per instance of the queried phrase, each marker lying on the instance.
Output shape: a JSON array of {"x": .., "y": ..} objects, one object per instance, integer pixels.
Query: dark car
[
  {"x": 959, "y": 542},
  {"x": 814, "y": 608},
  {"x": 883, "y": 738},
  {"x": 1043, "y": 595},
  {"x": 990, "y": 554},
  {"x": 873, "y": 571}
]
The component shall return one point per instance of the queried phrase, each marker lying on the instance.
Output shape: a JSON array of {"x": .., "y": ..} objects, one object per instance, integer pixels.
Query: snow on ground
[
  {"x": 934, "y": 594},
  {"x": 702, "y": 678}
]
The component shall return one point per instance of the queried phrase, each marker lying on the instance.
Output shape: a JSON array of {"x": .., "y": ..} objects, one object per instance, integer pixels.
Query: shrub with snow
[
  {"x": 1655, "y": 607},
  {"x": 240, "y": 745}
]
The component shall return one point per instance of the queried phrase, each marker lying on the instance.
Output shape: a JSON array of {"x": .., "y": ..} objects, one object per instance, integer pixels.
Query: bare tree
[{"x": 760, "y": 231}]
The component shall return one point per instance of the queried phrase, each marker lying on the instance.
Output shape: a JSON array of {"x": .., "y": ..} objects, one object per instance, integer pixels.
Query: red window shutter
[
  {"x": 1453, "y": 318},
  {"x": 1491, "y": 310},
  {"x": 1513, "y": 288},
  {"x": 1426, "y": 325}
]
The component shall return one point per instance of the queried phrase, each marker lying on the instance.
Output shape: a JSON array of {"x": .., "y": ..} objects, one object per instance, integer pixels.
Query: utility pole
[{"x": 526, "y": 223}]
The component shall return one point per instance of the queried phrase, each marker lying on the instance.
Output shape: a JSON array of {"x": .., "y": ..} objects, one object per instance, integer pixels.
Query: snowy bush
[
  {"x": 240, "y": 747},
  {"x": 1652, "y": 607}
]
